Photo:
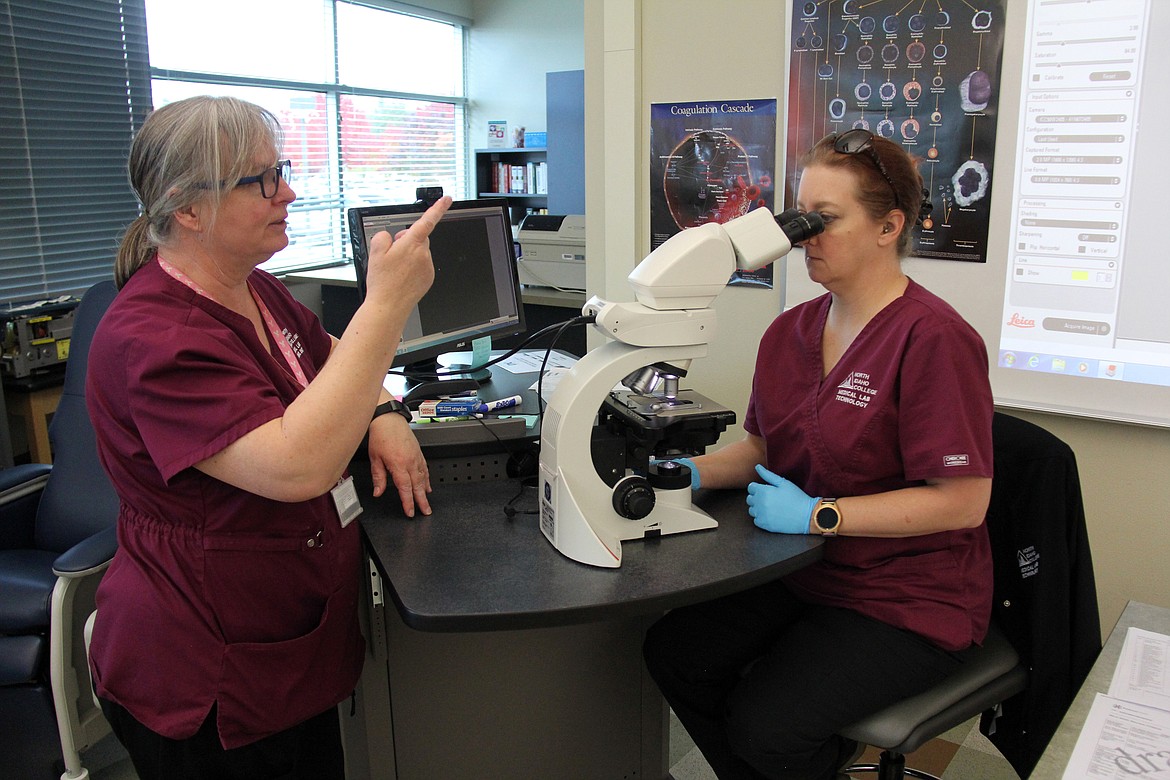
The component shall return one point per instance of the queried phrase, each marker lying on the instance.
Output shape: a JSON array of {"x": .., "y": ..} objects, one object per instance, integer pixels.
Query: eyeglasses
[
  {"x": 860, "y": 140},
  {"x": 270, "y": 178}
]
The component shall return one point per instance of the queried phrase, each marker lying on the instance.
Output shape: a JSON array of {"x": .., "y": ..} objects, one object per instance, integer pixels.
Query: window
[
  {"x": 371, "y": 99},
  {"x": 74, "y": 86}
]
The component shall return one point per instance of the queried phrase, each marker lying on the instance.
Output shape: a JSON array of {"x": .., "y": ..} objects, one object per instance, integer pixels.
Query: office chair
[
  {"x": 5, "y": 437},
  {"x": 1042, "y": 567},
  {"x": 57, "y": 537}
]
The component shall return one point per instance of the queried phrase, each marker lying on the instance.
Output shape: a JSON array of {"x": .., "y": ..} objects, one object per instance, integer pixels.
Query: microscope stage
[{"x": 656, "y": 411}]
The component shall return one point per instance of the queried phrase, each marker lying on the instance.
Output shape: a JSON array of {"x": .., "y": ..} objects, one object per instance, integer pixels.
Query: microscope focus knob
[{"x": 633, "y": 498}]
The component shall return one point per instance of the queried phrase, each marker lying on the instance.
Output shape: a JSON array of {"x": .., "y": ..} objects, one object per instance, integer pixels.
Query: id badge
[{"x": 345, "y": 498}]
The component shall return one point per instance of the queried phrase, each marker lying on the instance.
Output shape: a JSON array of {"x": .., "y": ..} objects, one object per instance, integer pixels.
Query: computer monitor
[{"x": 476, "y": 291}]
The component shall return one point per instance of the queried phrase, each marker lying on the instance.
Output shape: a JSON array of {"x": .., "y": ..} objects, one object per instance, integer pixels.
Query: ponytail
[{"x": 135, "y": 251}]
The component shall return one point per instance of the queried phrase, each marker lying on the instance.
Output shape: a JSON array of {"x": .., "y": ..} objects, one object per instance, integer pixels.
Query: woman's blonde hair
[{"x": 190, "y": 151}]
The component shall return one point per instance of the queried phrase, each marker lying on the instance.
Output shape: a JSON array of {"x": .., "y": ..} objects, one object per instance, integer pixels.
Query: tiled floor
[{"x": 960, "y": 754}]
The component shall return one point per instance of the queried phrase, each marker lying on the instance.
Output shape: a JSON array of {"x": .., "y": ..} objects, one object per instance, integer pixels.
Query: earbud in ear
[{"x": 887, "y": 228}]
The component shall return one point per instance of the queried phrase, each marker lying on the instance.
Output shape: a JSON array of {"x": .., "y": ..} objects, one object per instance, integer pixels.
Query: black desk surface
[{"x": 467, "y": 567}]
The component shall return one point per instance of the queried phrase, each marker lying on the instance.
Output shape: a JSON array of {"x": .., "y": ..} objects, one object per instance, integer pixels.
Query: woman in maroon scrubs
[
  {"x": 226, "y": 416},
  {"x": 869, "y": 422}
]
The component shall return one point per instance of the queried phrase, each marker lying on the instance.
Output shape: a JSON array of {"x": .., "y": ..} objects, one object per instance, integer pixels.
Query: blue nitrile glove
[
  {"x": 690, "y": 464},
  {"x": 779, "y": 506}
]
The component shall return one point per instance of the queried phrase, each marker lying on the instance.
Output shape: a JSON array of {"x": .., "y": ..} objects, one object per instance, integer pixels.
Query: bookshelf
[{"x": 520, "y": 175}]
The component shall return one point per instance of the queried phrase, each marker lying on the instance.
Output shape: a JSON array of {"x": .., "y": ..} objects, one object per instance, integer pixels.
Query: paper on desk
[
  {"x": 552, "y": 378},
  {"x": 1143, "y": 671},
  {"x": 1121, "y": 739},
  {"x": 529, "y": 362}
]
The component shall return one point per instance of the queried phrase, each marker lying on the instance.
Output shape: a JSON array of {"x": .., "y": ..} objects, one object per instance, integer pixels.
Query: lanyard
[{"x": 278, "y": 337}]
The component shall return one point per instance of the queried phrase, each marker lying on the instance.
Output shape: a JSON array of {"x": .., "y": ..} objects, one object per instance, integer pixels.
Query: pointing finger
[{"x": 426, "y": 223}]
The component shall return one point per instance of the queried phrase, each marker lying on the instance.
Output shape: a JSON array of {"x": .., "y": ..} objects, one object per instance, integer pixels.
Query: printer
[{"x": 552, "y": 251}]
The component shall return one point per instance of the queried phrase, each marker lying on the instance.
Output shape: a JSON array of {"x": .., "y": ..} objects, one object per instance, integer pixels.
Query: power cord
[
  {"x": 510, "y": 511},
  {"x": 525, "y": 481},
  {"x": 556, "y": 326},
  {"x": 585, "y": 319}
]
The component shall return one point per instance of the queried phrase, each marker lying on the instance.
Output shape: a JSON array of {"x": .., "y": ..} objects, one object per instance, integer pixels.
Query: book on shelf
[
  {"x": 519, "y": 174},
  {"x": 529, "y": 178}
]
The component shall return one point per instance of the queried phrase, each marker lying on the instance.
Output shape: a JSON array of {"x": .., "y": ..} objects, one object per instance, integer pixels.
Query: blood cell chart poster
[{"x": 925, "y": 75}]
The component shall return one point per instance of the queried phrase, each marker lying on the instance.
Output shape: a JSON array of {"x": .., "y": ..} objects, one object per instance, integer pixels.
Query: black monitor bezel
[{"x": 360, "y": 242}]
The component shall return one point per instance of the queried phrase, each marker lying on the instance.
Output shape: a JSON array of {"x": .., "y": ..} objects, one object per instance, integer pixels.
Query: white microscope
[{"x": 669, "y": 325}]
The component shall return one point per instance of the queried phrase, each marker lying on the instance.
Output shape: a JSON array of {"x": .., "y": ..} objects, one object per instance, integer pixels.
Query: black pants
[
  {"x": 308, "y": 751},
  {"x": 762, "y": 681}
]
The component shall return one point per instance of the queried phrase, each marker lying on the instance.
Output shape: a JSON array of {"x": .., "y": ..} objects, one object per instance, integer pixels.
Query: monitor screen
[{"x": 476, "y": 291}]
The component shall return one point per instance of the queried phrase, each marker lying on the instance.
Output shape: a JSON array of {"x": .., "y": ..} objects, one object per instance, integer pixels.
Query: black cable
[
  {"x": 458, "y": 371},
  {"x": 582, "y": 320},
  {"x": 510, "y": 511},
  {"x": 586, "y": 319}
]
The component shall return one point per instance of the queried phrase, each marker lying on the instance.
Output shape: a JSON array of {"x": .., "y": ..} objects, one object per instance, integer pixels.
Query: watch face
[{"x": 827, "y": 518}]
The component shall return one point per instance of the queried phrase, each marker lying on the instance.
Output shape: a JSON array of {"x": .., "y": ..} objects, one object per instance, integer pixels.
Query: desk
[
  {"x": 1055, "y": 758},
  {"x": 505, "y": 659},
  {"x": 33, "y": 399},
  {"x": 452, "y": 447}
]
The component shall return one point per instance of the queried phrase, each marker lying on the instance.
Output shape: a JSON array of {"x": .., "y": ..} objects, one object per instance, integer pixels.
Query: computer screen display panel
[{"x": 476, "y": 291}]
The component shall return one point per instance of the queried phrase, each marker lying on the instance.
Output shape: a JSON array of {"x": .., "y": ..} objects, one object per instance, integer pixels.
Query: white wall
[
  {"x": 640, "y": 52},
  {"x": 512, "y": 44}
]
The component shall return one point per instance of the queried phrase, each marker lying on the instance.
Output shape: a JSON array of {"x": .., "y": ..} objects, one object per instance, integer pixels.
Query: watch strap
[{"x": 392, "y": 406}]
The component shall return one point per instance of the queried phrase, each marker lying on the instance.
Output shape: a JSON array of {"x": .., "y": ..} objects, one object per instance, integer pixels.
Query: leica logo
[{"x": 1021, "y": 322}]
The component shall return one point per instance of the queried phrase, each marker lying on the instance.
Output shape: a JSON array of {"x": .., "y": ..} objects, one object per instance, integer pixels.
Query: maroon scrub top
[
  {"x": 216, "y": 595},
  {"x": 909, "y": 400}
]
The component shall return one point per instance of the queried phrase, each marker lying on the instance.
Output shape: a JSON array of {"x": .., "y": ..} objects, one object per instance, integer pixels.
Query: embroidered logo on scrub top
[{"x": 856, "y": 390}]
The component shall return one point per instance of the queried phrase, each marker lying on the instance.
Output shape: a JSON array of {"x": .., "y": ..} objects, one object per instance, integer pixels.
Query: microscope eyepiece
[{"x": 802, "y": 227}]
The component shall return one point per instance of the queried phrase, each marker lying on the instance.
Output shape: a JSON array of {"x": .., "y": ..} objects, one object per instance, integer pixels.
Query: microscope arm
[{"x": 671, "y": 322}]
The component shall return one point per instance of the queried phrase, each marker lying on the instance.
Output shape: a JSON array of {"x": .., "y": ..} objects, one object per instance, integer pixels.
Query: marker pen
[
  {"x": 503, "y": 403},
  {"x": 458, "y": 408}
]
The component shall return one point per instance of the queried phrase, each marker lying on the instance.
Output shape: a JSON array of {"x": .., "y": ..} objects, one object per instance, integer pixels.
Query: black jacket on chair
[{"x": 1045, "y": 594}]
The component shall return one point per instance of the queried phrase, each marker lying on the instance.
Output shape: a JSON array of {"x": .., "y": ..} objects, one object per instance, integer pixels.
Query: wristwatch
[
  {"x": 827, "y": 516},
  {"x": 393, "y": 405}
]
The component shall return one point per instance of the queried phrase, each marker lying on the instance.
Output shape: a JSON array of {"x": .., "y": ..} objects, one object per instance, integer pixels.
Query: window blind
[
  {"x": 365, "y": 123},
  {"x": 74, "y": 87}
]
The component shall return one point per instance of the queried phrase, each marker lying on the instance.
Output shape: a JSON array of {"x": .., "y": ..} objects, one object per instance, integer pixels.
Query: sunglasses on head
[{"x": 857, "y": 141}]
